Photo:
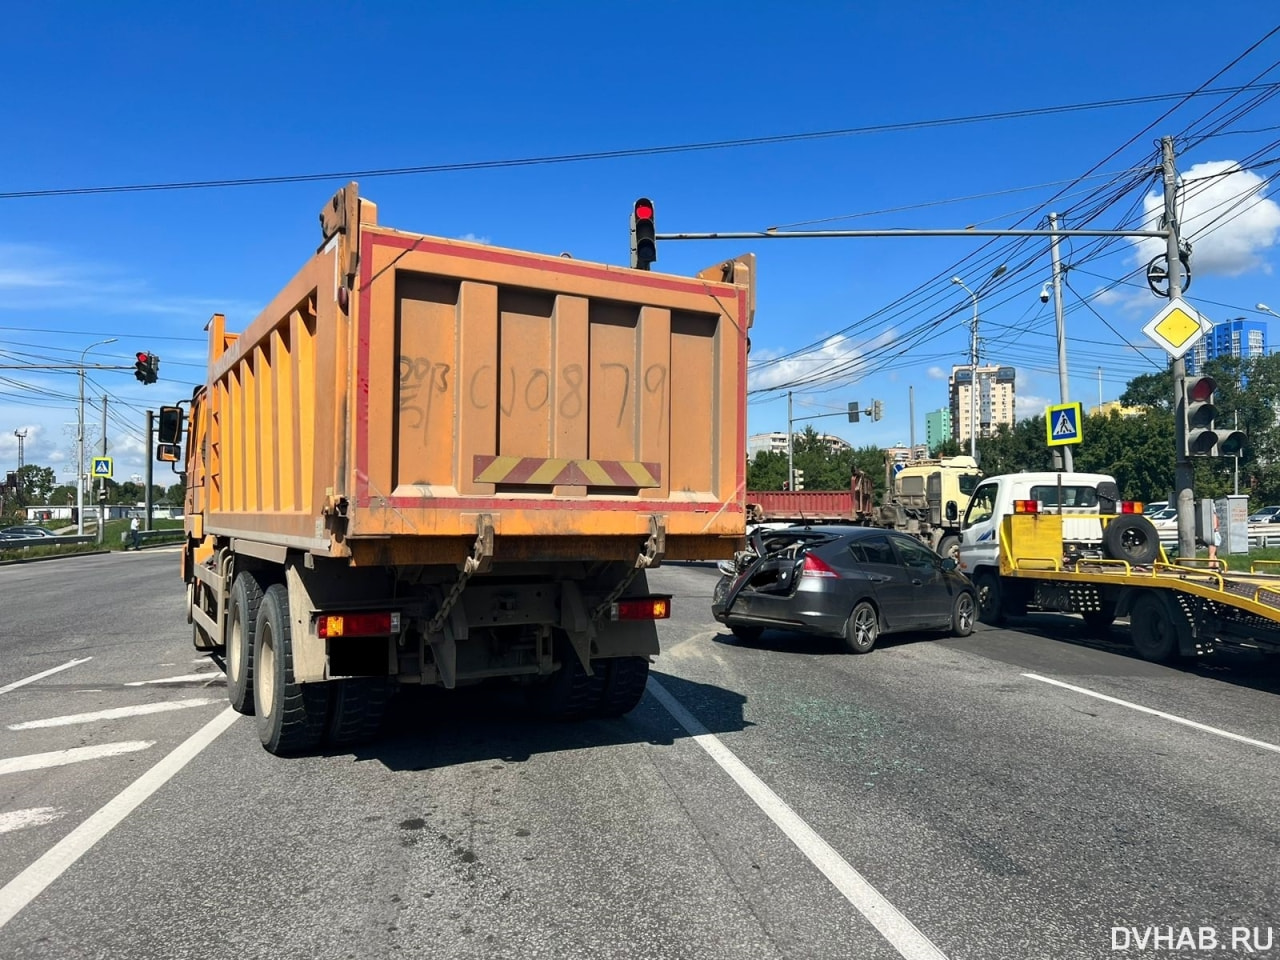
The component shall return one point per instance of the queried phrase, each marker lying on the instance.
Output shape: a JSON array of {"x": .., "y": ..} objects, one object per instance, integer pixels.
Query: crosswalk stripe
[
  {"x": 185, "y": 678},
  {"x": 114, "y": 713},
  {"x": 58, "y": 758}
]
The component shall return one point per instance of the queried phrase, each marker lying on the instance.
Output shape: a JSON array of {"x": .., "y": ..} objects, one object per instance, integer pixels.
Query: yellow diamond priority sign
[{"x": 1177, "y": 328}]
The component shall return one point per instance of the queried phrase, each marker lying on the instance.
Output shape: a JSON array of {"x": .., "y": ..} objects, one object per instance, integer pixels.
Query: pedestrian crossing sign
[
  {"x": 101, "y": 468},
  {"x": 1062, "y": 424}
]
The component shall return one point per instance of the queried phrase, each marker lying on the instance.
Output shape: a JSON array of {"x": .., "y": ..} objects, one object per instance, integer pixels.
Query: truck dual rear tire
[
  {"x": 357, "y": 707},
  {"x": 290, "y": 715},
  {"x": 242, "y": 618},
  {"x": 614, "y": 688}
]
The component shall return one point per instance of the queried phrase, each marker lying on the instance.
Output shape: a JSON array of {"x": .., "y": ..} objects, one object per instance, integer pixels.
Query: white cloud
[
  {"x": 1025, "y": 403},
  {"x": 1225, "y": 216},
  {"x": 475, "y": 238},
  {"x": 38, "y": 278},
  {"x": 937, "y": 373},
  {"x": 836, "y": 357}
]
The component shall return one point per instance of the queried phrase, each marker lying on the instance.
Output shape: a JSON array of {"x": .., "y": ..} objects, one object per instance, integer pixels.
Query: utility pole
[
  {"x": 973, "y": 384},
  {"x": 911, "y": 412},
  {"x": 1063, "y": 389},
  {"x": 1099, "y": 389},
  {"x": 791, "y": 468},
  {"x": 1183, "y": 477},
  {"x": 147, "y": 498},
  {"x": 102, "y": 487},
  {"x": 21, "y": 435}
]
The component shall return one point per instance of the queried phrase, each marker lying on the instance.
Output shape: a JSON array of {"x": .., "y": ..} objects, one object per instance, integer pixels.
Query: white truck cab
[{"x": 1082, "y": 497}]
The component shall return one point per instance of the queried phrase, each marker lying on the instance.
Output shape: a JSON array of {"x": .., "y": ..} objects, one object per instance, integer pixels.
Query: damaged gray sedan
[{"x": 854, "y": 583}]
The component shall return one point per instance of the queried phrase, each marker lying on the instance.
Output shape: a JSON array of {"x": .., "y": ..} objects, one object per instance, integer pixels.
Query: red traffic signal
[
  {"x": 1201, "y": 389},
  {"x": 644, "y": 238},
  {"x": 147, "y": 366}
]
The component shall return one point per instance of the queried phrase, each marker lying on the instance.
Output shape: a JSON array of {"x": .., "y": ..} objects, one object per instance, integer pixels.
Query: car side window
[
  {"x": 981, "y": 506},
  {"x": 873, "y": 550},
  {"x": 914, "y": 554}
]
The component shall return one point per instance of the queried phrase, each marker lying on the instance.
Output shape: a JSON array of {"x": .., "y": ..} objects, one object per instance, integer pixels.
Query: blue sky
[{"x": 151, "y": 92}]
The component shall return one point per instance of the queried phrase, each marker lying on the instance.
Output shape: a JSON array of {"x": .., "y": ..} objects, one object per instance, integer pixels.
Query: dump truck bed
[{"x": 402, "y": 386}]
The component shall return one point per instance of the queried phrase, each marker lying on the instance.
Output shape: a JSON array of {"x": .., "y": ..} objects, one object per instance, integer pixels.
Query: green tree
[
  {"x": 1151, "y": 390},
  {"x": 35, "y": 483}
]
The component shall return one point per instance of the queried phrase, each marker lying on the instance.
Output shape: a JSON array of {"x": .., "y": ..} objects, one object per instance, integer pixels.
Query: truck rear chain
[
  {"x": 479, "y": 561},
  {"x": 654, "y": 550}
]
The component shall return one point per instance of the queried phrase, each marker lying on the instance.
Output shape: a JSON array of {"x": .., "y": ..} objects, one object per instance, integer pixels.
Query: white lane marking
[
  {"x": 1158, "y": 713},
  {"x": 31, "y": 817},
  {"x": 905, "y": 937},
  {"x": 46, "y": 673},
  {"x": 114, "y": 713},
  {"x": 31, "y": 882},
  {"x": 59, "y": 758},
  {"x": 185, "y": 678}
]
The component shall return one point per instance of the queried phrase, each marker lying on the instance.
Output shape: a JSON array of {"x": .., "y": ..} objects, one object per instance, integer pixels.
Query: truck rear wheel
[
  {"x": 569, "y": 694},
  {"x": 242, "y": 617},
  {"x": 990, "y": 598},
  {"x": 290, "y": 715},
  {"x": 357, "y": 707},
  {"x": 949, "y": 546},
  {"x": 1156, "y": 634},
  {"x": 624, "y": 688}
]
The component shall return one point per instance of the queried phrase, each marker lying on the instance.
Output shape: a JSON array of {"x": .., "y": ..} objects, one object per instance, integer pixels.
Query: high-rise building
[
  {"x": 937, "y": 428},
  {"x": 995, "y": 400},
  {"x": 1231, "y": 338}
]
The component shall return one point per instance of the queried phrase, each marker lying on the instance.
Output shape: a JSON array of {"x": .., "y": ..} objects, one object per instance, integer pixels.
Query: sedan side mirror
[{"x": 949, "y": 564}]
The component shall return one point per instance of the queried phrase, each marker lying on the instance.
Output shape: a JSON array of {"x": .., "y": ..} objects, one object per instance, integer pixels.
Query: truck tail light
[
  {"x": 817, "y": 567},
  {"x": 641, "y": 608},
  {"x": 1026, "y": 506},
  {"x": 1130, "y": 506},
  {"x": 330, "y": 625}
]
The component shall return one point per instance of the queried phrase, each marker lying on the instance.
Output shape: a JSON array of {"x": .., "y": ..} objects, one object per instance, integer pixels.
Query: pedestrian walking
[
  {"x": 1216, "y": 541},
  {"x": 135, "y": 525}
]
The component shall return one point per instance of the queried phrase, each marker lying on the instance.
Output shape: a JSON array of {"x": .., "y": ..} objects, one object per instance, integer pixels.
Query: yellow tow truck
[{"x": 1176, "y": 609}]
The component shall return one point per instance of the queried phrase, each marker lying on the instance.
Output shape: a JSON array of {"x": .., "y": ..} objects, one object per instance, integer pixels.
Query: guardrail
[
  {"x": 1261, "y": 535},
  {"x": 145, "y": 537},
  {"x": 47, "y": 542}
]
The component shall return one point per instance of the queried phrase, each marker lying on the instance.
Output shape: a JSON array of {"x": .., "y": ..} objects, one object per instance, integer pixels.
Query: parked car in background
[
  {"x": 1265, "y": 515},
  {"x": 29, "y": 532},
  {"x": 855, "y": 583}
]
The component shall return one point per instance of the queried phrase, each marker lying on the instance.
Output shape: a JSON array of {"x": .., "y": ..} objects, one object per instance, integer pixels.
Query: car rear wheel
[
  {"x": 963, "y": 612},
  {"x": 862, "y": 629}
]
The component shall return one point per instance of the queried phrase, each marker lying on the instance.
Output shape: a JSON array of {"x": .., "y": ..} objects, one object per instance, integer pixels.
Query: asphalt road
[{"x": 938, "y": 797}]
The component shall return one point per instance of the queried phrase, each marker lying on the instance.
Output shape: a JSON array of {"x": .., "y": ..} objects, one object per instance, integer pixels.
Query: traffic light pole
[{"x": 1183, "y": 477}]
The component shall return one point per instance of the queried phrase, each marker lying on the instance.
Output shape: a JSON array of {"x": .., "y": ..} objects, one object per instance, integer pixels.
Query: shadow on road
[{"x": 433, "y": 728}]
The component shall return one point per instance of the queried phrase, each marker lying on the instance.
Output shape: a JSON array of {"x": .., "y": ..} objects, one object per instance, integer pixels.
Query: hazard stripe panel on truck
[{"x": 557, "y": 471}]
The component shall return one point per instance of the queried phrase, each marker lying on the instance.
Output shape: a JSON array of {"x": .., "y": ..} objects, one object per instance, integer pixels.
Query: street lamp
[
  {"x": 973, "y": 361},
  {"x": 80, "y": 444}
]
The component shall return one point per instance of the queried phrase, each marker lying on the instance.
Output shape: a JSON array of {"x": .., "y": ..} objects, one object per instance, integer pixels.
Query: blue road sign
[{"x": 1062, "y": 424}]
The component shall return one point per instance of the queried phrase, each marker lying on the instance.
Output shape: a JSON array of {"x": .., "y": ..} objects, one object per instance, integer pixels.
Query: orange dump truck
[{"x": 437, "y": 462}]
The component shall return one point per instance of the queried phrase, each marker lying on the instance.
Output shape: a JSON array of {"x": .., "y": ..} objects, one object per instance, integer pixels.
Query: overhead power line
[{"x": 551, "y": 159}]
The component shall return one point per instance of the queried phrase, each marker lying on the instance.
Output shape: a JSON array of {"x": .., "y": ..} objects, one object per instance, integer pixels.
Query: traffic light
[
  {"x": 854, "y": 413},
  {"x": 1200, "y": 413},
  {"x": 644, "y": 238},
  {"x": 799, "y": 479},
  {"x": 1204, "y": 439},
  {"x": 147, "y": 367},
  {"x": 877, "y": 409}
]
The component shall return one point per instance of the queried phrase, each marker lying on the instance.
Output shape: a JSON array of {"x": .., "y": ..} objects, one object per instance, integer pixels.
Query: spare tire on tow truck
[{"x": 1131, "y": 537}]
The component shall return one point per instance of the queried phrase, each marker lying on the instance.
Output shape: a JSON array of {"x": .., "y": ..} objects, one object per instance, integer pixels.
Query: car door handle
[{"x": 916, "y": 583}]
